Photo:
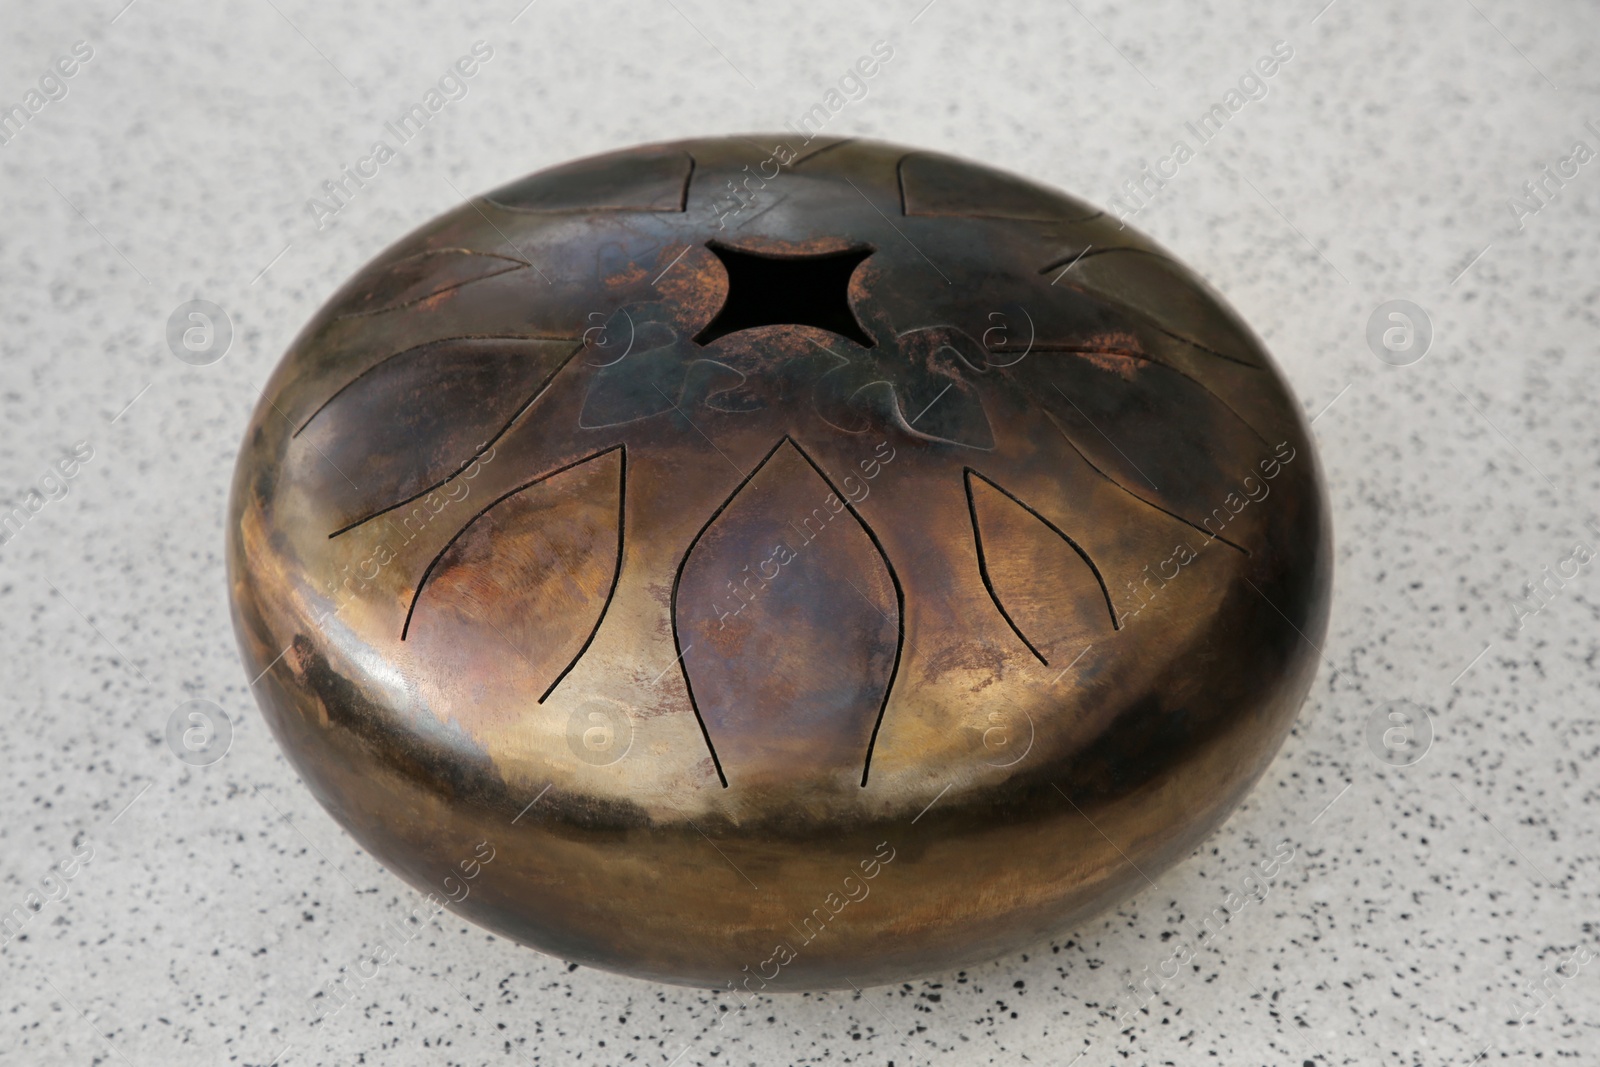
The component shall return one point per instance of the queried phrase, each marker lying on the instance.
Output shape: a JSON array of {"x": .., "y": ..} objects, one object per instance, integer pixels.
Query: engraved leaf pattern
[
  {"x": 527, "y": 567},
  {"x": 786, "y": 576},
  {"x": 536, "y": 569}
]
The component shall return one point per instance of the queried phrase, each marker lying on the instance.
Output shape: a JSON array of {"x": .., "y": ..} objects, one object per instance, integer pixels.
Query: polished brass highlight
[{"x": 802, "y": 565}]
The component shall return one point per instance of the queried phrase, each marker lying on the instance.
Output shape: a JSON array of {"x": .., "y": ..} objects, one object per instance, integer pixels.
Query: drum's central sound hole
[{"x": 788, "y": 291}]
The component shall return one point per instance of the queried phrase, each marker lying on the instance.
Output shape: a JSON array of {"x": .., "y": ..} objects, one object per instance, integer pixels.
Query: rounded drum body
[{"x": 744, "y": 562}]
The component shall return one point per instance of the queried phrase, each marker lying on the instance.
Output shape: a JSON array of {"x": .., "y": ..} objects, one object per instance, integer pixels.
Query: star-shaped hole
[{"x": 768, "y": 290}]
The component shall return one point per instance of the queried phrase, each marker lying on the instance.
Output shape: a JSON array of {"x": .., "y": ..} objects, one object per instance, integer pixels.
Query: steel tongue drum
[{"x": 774, "y": 565}]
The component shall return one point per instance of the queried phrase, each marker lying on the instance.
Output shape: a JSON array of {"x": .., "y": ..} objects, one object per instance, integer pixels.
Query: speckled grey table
[{"x": 1427, "y": 912}]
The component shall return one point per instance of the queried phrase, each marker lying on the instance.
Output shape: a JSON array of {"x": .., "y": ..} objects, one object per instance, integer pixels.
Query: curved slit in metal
[
  {"x": 490, "y": 443},
  {"x": 1147, "y": 503},
  {"x": 616, "y": 573},
  {"x": 520, "y": 264},
  {"x": 983, "y": 568},
  {"x": 1111, "y": 350},
  {"x": 677, "y": 581},
  {"x": 428, "y": 571},
  {"x": 900, "y": 604},
  {"x": 1059, "y": 532},
  {"x": 396, "y": 355}
]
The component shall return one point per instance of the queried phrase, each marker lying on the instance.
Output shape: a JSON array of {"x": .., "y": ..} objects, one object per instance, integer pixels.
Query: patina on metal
[{"x": 792, "y": 564}]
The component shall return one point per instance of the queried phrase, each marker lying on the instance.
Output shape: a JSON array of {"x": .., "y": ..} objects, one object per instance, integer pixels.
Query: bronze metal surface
[{"x": 793, "y": 565}]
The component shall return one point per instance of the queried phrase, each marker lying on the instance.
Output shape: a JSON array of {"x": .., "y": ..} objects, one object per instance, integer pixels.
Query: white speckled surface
[{"x": 1422, "y": 902}]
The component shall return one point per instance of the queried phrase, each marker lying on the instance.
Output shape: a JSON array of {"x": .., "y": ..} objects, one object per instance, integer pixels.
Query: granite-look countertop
[{"x": 179, "y": 914}]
